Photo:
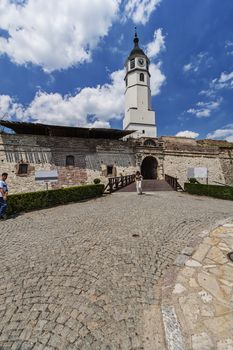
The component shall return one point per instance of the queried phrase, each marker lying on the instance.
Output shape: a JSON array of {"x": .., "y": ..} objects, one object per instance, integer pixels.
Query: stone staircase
[{"x": 149, "y": 186}]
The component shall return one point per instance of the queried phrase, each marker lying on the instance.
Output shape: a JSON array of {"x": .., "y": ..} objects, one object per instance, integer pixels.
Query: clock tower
[{"x": 138, "y": 113}]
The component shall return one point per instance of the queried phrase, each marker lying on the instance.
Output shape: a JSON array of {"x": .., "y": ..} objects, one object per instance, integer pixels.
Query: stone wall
[
  {"x": 94, "y": 157},
  {"x": 226, "y": 161},
  {"x": 91, "y": 159},
  {"x": 177, "y": 166}
]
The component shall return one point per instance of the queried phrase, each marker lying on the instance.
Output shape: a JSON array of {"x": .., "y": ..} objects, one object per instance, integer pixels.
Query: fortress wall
[
  {"x": 177, "y": 165},
  {"x": 91, "y": 156},
  {"x": 226, "y": 160}
]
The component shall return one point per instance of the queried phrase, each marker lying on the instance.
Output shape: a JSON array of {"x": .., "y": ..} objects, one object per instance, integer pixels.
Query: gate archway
[{"x": 149, "y": 168}]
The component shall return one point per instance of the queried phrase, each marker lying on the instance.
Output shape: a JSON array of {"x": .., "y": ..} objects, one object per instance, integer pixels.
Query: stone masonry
[{"x": 101, "y": 158}]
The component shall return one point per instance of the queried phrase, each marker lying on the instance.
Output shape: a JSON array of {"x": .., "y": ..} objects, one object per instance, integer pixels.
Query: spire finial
[{"x": 136, "y": 40}]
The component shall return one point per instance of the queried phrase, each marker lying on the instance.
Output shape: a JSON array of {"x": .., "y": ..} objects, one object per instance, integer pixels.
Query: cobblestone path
[{"x": 84, "y": 276}]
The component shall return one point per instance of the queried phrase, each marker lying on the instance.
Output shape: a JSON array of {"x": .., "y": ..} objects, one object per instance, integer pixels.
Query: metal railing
[
  {"x": 115, "y": 183},
  {"x": 173, "y": 182}
]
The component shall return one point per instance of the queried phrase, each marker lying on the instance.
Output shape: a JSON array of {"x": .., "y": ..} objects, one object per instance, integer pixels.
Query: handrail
[
  {"x": 115, "y": 183},
  {"x": 173, "y": 182}
]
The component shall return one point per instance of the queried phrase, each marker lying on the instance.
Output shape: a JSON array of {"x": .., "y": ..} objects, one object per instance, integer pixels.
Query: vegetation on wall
[
  {"x": 223, "y": 192},
  {"x": 44, "y": 199}
]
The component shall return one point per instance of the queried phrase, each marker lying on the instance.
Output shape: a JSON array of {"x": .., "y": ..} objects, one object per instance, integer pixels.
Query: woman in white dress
[{"x": 138, "y": 180}]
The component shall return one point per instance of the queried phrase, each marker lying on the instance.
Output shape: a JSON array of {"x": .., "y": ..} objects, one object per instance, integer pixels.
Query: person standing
[
  {"x": 3, "y": 195},
  {"x": 138, "y": 180}
]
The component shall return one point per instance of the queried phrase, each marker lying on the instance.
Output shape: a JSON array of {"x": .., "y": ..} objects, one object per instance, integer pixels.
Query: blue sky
[{"x": 61, "y": 62}]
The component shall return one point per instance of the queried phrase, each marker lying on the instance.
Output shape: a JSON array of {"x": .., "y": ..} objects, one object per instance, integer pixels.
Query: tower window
[
  {"x": 69, "y": 160},
  {"x": 132, "y": 63},
  {"x": 141, "y": 77},
  {"x": 143, "y": 131},
  {"x": 126, "y": 81}
]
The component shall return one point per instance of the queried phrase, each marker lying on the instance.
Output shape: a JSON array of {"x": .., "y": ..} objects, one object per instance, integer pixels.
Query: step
[{"x": 149, "y": 186}]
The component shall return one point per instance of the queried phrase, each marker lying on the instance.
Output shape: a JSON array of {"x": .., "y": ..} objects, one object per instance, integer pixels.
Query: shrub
[
  {"x": 44, "y": 199},
  {"x": 223, "y": 192},
  {"x": 96, "y": 181},
  {"x": 192, "y": 180}
]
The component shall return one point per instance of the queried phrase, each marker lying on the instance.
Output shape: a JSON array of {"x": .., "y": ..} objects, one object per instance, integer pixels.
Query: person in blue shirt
[{"x": 3, "y": 195}]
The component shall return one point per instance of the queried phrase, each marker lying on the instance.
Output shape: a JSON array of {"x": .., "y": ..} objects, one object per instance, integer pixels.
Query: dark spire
[
  {"x": 136, "y": 50},
  {"x": 136, "y": 40}
]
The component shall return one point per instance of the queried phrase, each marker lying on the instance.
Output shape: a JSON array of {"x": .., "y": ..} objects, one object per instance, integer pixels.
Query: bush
[
  {"x": 192, "y": 180},
  {"x": 223, "y": 192},
  {"x": 44, "y": 199},
  {"x": 96, "y": 181}
]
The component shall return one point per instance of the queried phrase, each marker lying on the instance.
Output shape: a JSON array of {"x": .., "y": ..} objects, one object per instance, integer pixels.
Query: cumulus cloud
[
  {"x": 9, "y": 107},
  {"x": 187, "y": 133},
  {"x": 157, "y": 45},
  {"x": 226, "y": 133},
  {"x": 140, "y": 10},
  {"x": 204, "y": 109},
  {"x": 89, "y": 107},
  {"x": 54, "y": 34},
  {"x": 157, "y": 78}
]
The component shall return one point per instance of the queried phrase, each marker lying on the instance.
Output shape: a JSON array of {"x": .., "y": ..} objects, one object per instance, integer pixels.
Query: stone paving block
[
  {"x": 202, "y": 341},
  {"x": 76, "y": 269},
  {"x": 188, "y": 251},
  {"x": 181, "y": 260}
]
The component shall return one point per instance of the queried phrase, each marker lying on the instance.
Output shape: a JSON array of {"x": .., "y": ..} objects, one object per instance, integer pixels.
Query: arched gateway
[{"x": 149, "y": 168}]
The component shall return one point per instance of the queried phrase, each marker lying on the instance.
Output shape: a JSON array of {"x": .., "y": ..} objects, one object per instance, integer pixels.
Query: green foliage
[
  {"x": 96, "y": 181},
  {"x": 192, "y": 180},
  {"x": 223, "y": 192},
  {"x": 44, "y": 199}
]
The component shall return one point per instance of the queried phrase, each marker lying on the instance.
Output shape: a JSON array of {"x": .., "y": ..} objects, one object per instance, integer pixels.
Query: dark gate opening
[{"x": 149, "y": 168}]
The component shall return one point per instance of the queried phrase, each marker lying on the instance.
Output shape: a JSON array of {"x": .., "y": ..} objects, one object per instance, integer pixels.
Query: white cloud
[
  {"x": 187, "y": 133},
  {"x": 90, "y": 106},
  {"x": 140, "y": 10},
  {"x": 187, "y": 67},
  {"x": 226, "y": 78},
  {"x": 54, "y": 34},
  {"x": 157, "y": 78},
  {"x": 225, "y": 81},
  {"x": 9, "y": 107},
  {"x": 223, "y": 134},
  {"x": 229, "y": 47},
  {"x": 204, "y": 109},
  {"x": 157, "y": 45},
  {"x": 197, "y": 62}
]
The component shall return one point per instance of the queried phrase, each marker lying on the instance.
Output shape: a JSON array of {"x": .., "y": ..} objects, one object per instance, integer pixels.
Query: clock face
[{"x": 141, "y": 62}]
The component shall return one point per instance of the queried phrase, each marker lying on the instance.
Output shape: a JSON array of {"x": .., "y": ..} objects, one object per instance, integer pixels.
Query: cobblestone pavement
[
  {"x": 199, "y": 296},
  {"x": 84, "y": 276}
]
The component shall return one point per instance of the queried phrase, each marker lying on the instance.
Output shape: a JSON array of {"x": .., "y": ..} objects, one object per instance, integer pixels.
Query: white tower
[{"x": 138, "y": 113}]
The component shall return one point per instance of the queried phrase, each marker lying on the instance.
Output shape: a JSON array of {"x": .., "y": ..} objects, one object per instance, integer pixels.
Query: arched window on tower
[
  {"x": 141, "y": 77},
  {"x": 69, "y": 160}
]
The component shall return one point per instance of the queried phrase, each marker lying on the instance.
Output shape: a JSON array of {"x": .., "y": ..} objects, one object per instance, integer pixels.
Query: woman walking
[{"x": 138, "y": 180}]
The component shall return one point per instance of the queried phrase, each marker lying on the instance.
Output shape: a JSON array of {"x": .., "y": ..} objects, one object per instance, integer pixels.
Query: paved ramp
[{"x": 149, "y": 186}]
